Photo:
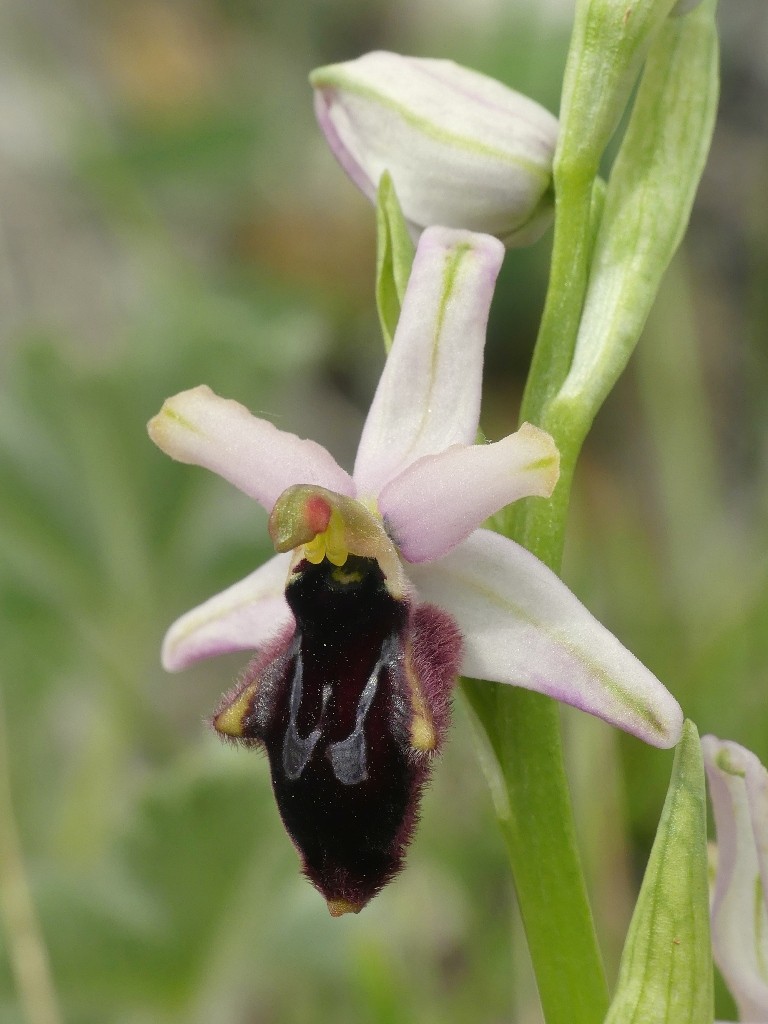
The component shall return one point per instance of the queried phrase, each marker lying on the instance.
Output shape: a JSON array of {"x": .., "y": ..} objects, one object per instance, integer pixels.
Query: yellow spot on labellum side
[
  {"x": 422, "y": 733},
  {"x": 338, "y": 908},
  {"x": 229, "y": 722}
]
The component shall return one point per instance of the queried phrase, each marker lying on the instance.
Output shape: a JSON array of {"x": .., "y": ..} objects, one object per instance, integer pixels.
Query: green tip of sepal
[
  {"x": 394, "y": 257},
  {"x": 666, "y": 966}
]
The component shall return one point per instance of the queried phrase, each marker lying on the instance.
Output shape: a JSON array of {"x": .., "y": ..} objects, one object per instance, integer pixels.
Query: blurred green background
[{"x": 170, "y": 215}]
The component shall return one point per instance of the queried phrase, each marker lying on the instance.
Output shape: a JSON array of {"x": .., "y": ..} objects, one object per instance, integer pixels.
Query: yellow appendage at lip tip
[
  {"x": 329, "y": 544},
  {"x": 339, "y": 907}
]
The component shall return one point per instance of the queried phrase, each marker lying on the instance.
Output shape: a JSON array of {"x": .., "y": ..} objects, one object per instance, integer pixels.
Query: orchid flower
[
  {"x": 385, "y": 586},
  {"x": 463, "y": 150},
  {"x": 738, "y": 787}
]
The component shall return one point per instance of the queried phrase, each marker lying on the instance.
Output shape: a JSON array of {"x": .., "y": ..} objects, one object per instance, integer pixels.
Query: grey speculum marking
[
  {"x": 347, "y": 756},
  {"x": 297, "y": 749}
]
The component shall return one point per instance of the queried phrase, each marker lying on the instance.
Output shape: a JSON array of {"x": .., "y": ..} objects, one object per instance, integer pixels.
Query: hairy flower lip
[
  {"x": 427, "y": 402},
  {"x": 350, "y": 706},
  {"x": 463, "y": 149}
]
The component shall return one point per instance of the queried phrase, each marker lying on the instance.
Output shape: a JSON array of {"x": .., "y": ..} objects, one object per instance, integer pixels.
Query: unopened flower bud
[{"x": 463, "y": 150}]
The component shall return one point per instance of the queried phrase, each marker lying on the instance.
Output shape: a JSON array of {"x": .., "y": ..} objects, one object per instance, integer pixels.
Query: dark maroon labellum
[{"x": 351, "y": 709}]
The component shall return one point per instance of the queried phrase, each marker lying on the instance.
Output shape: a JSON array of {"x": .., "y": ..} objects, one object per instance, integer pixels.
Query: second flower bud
[{"x": 463, "y": 150}]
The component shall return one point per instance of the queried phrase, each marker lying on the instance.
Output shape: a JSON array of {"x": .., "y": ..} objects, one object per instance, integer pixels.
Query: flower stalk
[
  {"x": 617, "y": 248},
  {"x": 524, "y": 732}
]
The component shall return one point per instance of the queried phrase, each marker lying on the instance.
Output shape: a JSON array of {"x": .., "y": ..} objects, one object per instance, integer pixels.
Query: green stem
[
  {"x": 565, "y": 294},
  {"x": 537, "y": 826},
  {"x": 524, "y": 729},
  {"x": 646, "y": 206},
  {"x": 26, "y": 947},
  {"x": 537, "y": 821}
]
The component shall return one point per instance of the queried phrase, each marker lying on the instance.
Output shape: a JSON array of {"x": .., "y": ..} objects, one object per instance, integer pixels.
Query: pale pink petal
[
  {"x": 428, "y": 397},
  {"x": 437, "y": 501},
  {"x": 522, "y": 625},
  {"x": 738, "y": 788},
  {"x": 199, "y": 427},
  {"x": 328, "y": 115},
  {"x": 240, "y": 618}
]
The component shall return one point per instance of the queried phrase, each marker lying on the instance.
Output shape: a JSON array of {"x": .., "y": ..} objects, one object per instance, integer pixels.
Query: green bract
[
  {"x": 649, "y": 198},
  {"x": 666, "y": 968},
  {"x": 610, "y": 42},
  {"x": 394, "y": 257},
  {"x": 608, "y": 46}
]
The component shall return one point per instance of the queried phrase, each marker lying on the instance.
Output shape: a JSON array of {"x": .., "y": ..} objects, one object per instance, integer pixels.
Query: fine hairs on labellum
[{"x": 350, "y": 706}]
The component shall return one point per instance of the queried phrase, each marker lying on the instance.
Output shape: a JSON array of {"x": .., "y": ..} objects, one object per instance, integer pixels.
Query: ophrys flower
[{"x": 386, "y": 586}]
